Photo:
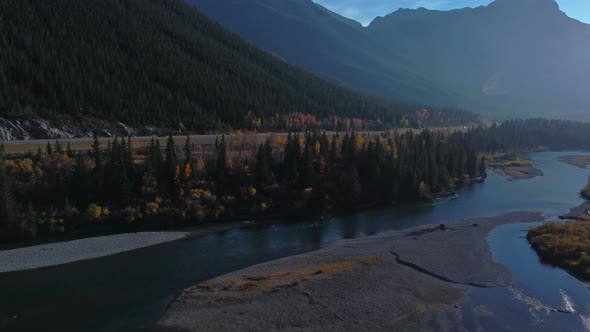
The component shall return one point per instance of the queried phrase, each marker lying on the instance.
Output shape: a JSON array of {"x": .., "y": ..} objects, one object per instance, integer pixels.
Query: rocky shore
[{"x": 403, "y": 280}]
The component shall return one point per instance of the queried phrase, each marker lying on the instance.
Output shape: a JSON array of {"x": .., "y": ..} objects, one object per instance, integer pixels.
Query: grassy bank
[{"x": 565, "y": 245}]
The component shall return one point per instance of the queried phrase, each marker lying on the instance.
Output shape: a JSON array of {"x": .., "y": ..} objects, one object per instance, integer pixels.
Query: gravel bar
[
  {"x": 72, "y": 251},
  {"x": 411, "y": 280}
]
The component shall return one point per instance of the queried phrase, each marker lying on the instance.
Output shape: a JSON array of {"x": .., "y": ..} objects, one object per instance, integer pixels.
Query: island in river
[
  {"x": 512, "y": 167},
  {"x": 566, "y": 245},
  {"x": 408, "y": 280}
]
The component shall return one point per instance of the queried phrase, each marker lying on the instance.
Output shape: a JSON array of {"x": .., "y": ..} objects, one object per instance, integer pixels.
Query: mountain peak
[{"x": 529, "y": 5}]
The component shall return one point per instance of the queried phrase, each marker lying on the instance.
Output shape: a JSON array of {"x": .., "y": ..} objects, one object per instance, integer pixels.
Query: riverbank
[
  {"x": 351, "y": 284},
  {"x": 578, "y": 213},
  {"x": 72, "y": 251},
  {"x": 57, "y": 253},
  {"x": 581, "y": 161}
]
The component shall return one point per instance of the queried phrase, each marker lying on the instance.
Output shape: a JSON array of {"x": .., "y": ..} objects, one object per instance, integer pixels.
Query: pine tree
[
  {"x": 96, "y": 154},
  {"x": 221, "y": 157},
  {"x": 58, "y": 148},
  {"x": 268, "y": 151},
  {"x": 171, "y": 160},
  {"x": 129, "y": 152},
  {"x": 187, "y": 150},
  {"x": 49, "y": 149},
  {"x": 7, "y": 204},
  {"x": 262, "y": 167},
  {"x": 350, "y": 186},
  {"x": 79, "y": 184},
  {"x": 39, "y": 154},
  {"x": 334, "y": 149},
  {"x": 482, "y": 167},
  {"x": 69, "y": 151}
]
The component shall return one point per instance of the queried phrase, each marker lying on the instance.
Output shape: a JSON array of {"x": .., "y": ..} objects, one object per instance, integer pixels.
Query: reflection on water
[
  {"x": 130, "y": 290},
  {"x": 545, "y": 298}
]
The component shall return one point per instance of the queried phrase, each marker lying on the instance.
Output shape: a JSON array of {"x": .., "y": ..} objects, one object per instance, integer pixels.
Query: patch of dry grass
[{"x": 285, "y": 279}]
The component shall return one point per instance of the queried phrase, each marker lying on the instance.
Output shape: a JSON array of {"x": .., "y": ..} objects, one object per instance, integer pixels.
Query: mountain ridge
[{"x": 492, "y": 59}]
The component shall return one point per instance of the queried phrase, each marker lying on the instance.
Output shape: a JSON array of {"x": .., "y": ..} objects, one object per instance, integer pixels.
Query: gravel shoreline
[
  {"x": 71, "y": 251},
  {"x": 407, "y": 280}
]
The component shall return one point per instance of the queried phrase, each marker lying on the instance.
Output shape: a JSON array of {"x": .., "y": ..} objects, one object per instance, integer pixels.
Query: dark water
[
  {"x": 537, "y": 292},
  {"x": 130, "y": 290}
]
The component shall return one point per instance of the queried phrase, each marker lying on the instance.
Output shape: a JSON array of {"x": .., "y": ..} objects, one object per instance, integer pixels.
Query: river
[{"x": 129, "y": 291}]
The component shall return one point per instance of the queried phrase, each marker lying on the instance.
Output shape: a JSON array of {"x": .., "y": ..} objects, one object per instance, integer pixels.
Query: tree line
[
  {"x": 169, "y": 184},
  {"x": 59, "y": 191}
]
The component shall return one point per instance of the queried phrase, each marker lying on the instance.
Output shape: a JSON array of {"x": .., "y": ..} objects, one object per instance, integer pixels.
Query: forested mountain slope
[
  {"x": 158, "y": 63},
  {"x": 510, "y": 58},
  {"x": 307, "y": 34}
]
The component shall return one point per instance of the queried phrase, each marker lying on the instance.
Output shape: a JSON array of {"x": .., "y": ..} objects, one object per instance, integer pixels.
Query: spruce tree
[
  {"x": 268, "y": 151},
  {"x": 39, "y": 154},
  {"x": 222, "y": 157},
  {"x": 171, "y": 158},
  {"x": 69, "y": 151},
  {"x": 96, "y": 154},
  {"x": 49, "y": 148},
  {"x": 262, "y": 167},
  {"x": 187, "y": 150},
  {"x": 7, "y": 211},
  {"x": 58, "y": 148}
]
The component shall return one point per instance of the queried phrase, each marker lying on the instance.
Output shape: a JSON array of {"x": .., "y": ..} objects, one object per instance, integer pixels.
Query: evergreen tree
[
  {"x": 129, "y": 152},
  {"x": 268, "y": 151},
  {"x": 221, "y": 157},
  {"x": 350, "y": 187},
  {"x": 69, "y": 151},
  {"x": 39, "y": 154},
  {"x": 79, "y": 183},
  {"x": 171, "y": 162},
  {"x": 96, "y": 154},
  {"x": 154, "y": 157},
  {"x": 482, "y": 167},
  {"x": 262, "y": 167},
  {"x": 334, "y": 149},
  {"x": 7, "y": 206},
  {"x": 58, "y": 148},
  {"x": 49, "y": 149},
  {"x": 187, "y": 151}
]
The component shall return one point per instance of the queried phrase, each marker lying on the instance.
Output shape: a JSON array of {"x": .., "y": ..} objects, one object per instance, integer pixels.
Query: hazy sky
[{"x": 365, "y": 10}]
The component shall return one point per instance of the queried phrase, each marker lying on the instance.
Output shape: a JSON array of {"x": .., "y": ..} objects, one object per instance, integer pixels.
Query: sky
[{"x": 365, "y": 11}]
